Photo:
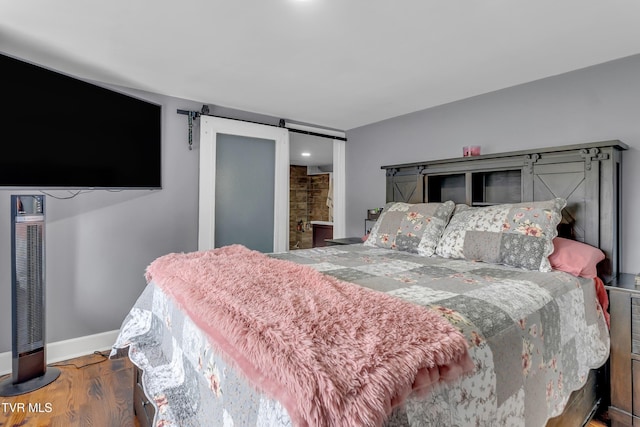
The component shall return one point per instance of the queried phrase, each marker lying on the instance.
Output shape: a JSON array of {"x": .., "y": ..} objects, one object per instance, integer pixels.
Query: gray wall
[{"x": 592, "y": 104}]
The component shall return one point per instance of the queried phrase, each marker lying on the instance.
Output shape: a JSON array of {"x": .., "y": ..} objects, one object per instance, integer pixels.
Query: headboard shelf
[
  {"x": 577, "y": 148},
  {"x": 586, "y": 175}
]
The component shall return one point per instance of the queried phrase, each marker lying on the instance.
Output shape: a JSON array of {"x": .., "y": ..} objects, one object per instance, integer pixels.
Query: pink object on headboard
[{"x": 471, "y": 150}]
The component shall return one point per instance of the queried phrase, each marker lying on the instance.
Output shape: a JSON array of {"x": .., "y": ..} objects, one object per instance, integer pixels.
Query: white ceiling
[
  {"x": 334, "y": 63},
  {"x": 320, "y": 150}
]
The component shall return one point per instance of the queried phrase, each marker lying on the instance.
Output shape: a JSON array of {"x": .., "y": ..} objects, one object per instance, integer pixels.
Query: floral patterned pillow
[
  {"x": 410, "y": 227},
  {"x": 519, "y": 234}
]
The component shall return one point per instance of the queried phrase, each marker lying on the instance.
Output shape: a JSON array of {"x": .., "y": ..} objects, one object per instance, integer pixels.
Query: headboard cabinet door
[
  {"x": 572, "y": 182},
  {"x": 405, "y": 186}
]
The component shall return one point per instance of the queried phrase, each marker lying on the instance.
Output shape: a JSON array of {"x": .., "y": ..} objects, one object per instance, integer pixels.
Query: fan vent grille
[{"x": 30, "y": 286}]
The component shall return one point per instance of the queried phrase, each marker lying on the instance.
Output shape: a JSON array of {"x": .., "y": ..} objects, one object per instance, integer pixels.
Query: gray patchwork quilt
[{"x": 533, "y": 336}]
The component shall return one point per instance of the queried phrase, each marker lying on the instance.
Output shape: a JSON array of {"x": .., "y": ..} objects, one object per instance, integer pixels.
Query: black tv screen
[{"x": 57, "y": 131}]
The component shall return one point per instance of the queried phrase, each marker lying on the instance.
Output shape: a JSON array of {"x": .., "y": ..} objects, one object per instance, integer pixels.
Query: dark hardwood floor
[{"x": 91, "y": 391}]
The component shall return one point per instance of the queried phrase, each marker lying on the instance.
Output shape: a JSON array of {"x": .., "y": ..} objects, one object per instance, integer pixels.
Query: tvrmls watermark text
[{"x": 29, "y": 407}]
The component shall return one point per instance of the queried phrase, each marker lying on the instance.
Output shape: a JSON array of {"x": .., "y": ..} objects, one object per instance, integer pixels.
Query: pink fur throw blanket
[{"x": 333, "y": 353}]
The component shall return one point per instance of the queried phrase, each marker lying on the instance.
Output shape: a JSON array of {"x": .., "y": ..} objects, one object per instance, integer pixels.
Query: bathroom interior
[{"x": 310, "y": 191}]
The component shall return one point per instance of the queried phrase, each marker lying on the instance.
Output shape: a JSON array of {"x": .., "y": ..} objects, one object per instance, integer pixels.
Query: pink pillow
[{"x": 575, "y": 257}]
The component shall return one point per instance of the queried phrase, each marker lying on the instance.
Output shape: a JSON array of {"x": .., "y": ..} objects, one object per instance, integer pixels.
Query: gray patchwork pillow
[
  {"x": 410, "y": 227},
  {"x": 518, "y": 234}
]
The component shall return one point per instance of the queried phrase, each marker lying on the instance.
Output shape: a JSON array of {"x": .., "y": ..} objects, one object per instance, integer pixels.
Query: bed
[{"x": 531, "y": 313}]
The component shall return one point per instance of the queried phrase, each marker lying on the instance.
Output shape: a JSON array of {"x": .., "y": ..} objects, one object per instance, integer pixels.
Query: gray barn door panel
[
  {"x": 244, "y": 189},
  {"x": 570, "y": 181},
  {"x": 405, "y": 188}
]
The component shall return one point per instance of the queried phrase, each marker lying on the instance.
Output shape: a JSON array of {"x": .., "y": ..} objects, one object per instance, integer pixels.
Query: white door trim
[
  {"x": 339, "y": 186},
  {"x": 210, "y": 127}
]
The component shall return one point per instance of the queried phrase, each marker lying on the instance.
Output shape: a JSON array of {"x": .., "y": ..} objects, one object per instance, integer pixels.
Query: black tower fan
[{"x": 29, "y": 367}]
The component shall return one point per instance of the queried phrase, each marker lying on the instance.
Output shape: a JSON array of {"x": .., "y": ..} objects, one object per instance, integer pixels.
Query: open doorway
[{"x": 311, "y": 190}]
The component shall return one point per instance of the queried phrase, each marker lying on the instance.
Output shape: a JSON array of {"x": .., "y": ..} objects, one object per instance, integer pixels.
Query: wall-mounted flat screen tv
[{"x": 57, "y": 131}]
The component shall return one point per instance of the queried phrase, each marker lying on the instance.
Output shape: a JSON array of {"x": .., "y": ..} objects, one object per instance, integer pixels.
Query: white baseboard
[{"x": 68, "y": 349}]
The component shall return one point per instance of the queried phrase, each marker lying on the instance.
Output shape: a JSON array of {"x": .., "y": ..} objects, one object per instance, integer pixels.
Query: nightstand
[
  {"x": 624, "y": 307},
  {"x": 344, "y": 241},
  {"x": 367, "y": 229}
]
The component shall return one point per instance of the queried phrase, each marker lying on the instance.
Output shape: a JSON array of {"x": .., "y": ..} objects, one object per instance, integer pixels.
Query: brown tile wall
[
  {"x": 307, "y": 202},
  {"x": 319, "y": 190}
]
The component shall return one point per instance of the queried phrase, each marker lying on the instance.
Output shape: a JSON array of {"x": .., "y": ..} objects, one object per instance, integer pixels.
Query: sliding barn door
[{"x": 244, "y": 185}]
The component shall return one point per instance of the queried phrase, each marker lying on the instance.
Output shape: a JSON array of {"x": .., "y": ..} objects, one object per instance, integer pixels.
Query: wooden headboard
[{"x": 586, "y": 175}]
